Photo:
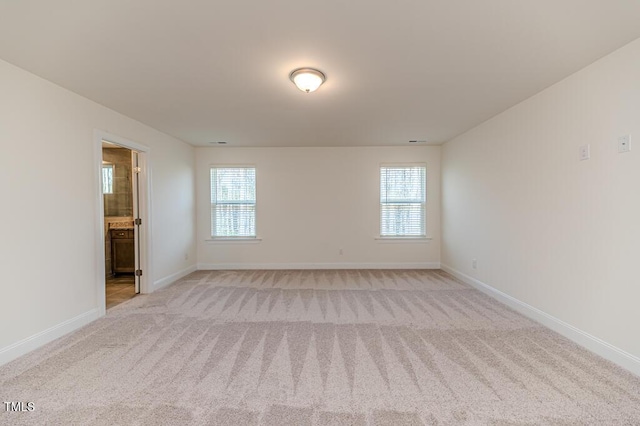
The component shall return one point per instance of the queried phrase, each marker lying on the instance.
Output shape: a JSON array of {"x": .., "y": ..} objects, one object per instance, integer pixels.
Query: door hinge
[
  {"x": 138, "y": 272},
  {"x": 137, "y": 169},
  {"x": 138, "y": 221}
]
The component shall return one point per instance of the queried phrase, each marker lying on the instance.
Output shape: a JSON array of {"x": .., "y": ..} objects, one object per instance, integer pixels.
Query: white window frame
[
  {"x": 232, "y": 238},
  {"x": 107, "y": 165},
  {"x": 419, "y": 237}
]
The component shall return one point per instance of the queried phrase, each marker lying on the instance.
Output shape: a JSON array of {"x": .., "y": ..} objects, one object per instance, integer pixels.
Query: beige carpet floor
[{"x": 317, "y": 348}]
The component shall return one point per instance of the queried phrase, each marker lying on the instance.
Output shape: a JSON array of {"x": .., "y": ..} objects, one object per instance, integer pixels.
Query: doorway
[
  {"x": 123, "y": 219},
  {"x": 119, "y": 188}
]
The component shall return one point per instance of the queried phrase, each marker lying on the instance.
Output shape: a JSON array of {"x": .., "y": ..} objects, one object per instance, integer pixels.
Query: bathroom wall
[
  {"x": 118, "y": 206},
  {"x": 120, "y": 203}
]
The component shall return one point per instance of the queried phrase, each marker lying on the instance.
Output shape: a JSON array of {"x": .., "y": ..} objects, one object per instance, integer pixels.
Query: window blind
[
  {"x": 233, "y": 201},
  {"x": 402, "y": 201}
]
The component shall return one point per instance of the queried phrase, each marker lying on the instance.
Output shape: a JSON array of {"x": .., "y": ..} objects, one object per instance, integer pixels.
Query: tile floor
[{"x": 119, "y": 289}]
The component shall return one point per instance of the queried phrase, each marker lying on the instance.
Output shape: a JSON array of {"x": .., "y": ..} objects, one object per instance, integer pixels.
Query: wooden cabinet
[{"x": 122, "y": 251}]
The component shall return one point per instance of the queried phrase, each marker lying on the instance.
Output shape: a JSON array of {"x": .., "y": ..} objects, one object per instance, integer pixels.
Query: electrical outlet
[
  {"x": 624, "y": 143},
  {"x": 186, "y": 256},
  {"x": 340, "y": 252},
  {"x": 585, "y": 152},
  {"x": 474, "y": 264}
]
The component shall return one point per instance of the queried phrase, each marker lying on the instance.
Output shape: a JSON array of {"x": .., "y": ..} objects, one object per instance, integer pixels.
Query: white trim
[
  {"x": 582, "y": 338},
  {"x": 423, "y": 240},
  {"x": 232, "y": 165},
  {"x": 423, "y": 204},
  {"x": 409, "y": 164},
  {"x": 255, "y": 202},
  {"x": 144, "y": 212},
  {"x": 244, "y": 266},
  {"x": 115, "y": 139},
  {"x": 170, "y": 279},
  {"x": 100, "y": 278},
  {"x": 232, "y": 240},
  {"x": 27, "y": 345}
]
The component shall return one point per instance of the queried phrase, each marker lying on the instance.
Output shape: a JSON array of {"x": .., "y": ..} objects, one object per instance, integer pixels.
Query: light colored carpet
[{"x": 317, "y": 348}]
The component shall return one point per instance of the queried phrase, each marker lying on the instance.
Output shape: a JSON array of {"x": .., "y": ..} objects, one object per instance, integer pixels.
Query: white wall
[
  {"x": 559, "y": 234},
  {"x": 313, "y": 201},
  {"x": 47, "y": 169}
]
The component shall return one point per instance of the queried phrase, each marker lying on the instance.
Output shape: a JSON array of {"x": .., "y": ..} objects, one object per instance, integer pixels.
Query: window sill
[
  {"x": 403, "y": 239},
  {"x": 238, "y": 240}
]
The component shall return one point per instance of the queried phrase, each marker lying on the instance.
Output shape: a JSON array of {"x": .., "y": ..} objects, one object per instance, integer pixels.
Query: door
[
  {"x": 140, "y": 209},
  {"x": 137, "y": 221}
]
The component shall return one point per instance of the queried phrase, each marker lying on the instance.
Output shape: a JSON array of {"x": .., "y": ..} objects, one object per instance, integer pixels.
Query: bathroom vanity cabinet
[{"x": 122, "y": 251}]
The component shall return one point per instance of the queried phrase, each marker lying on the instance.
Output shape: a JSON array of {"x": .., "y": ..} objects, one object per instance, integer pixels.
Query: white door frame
[{"x": 144, "y": 207}]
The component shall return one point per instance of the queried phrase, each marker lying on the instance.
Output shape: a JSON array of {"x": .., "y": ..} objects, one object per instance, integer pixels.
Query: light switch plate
[
  {"x": 585, "y": 152},
  {"x": 624, "y": 143}
]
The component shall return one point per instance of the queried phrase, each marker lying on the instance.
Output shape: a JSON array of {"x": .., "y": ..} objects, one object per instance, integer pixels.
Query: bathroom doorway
[
  {"x": 123, "y": 220},
  {"x": 119, "y": 189}
]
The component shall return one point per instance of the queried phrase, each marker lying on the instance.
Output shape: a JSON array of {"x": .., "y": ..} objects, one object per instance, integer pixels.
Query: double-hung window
[
  {"x": 403, "y": 200},
  {"x": 233, "y": 202}
]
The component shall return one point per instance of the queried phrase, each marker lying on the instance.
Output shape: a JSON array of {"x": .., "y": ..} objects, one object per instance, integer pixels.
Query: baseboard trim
[
  {"x": 245, "y": 266},
  {"x": 24, "y": 346},
  {"x": 594, "y": 344},
  {"x": 170, "y": 279}
]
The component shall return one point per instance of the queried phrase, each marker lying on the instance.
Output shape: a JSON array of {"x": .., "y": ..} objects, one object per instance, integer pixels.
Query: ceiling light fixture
[{"x": 307, "y": 79}]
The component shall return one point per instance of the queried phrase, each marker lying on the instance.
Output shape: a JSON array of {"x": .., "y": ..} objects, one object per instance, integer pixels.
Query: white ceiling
[{"x": 207, "y": 71}]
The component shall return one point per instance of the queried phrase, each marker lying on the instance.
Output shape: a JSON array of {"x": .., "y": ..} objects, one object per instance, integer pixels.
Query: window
[
  {"x": 233, "y": 202},
  {"x": 107, "y": 178},
  {"x": 402, "y": 201}
]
